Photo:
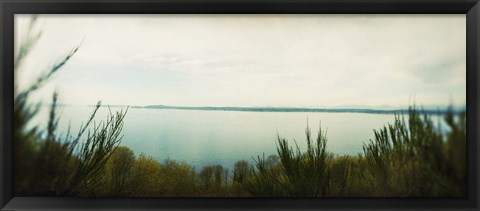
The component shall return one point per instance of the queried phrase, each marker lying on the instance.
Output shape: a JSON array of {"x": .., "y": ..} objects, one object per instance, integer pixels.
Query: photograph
[{"x": 240, "y": 105}]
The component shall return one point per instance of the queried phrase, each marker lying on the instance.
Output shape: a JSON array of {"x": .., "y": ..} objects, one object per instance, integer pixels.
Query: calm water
[{"x": 223, "y": 137}]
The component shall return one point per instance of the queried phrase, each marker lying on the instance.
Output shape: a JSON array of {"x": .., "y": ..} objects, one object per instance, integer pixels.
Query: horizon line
[{"x": 423, "y": 109}]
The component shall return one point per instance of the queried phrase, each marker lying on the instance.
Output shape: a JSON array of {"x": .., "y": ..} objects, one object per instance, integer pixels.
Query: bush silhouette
[
  {"x": 411, "y": 157},
  {"x": 46, "y": 164}
]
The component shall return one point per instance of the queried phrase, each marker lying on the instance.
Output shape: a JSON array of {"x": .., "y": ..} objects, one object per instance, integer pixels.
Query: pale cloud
[{"x": 254, "y": 60}]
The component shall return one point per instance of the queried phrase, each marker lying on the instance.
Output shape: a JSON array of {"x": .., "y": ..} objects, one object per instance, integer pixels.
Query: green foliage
[
  {"x": 268, "y": 180},
  {"x": 339, "y": 172},
  {"x": 455, "y": 154},
  {"x": 42, "y": 163},
  {"x": 95, "y": 150},
  {"x": 306, "y": 172},
  {"x": 179, "y": 179},
  {"x": 146, "y": 177},
  {"x": 411, "y": 158},
  {"x": 242, "y": 170},
  {"x": 213, "y": 180},
  {"x": 120, "y": 165},
  {"x": 301, "y": 174},
  {"x": 46, "y": 164},
  {"x": 406, "y": 158}
]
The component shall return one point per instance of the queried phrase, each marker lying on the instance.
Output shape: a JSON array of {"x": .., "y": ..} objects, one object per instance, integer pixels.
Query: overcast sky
[{"x": 252, "y": 60}]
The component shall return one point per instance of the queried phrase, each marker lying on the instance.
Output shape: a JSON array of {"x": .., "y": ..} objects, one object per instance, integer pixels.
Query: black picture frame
[{"x": 10, "y": 7}]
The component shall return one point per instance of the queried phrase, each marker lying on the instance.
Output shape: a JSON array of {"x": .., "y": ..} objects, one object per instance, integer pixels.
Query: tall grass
[
  {"x": 306, "y": 172},
  {"x": 410, "y": 157},
  {"x": 268, "y": 179},
  {"x": 414, "y": 157},
  {"x": 45, "y": 163}
]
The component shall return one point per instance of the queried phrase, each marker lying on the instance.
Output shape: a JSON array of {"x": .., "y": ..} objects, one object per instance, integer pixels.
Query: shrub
[
  {"x": 242, "y": 170},
  {"x": 49, "y": 165},
  {"x": 213, "y": 180},
  {"x": 178, "y": 179},
  {"x": 306, "y": 172},
  {"x": 147, "y": 181},
  {"x": 120, "y": 166},
  {"x": 408, "y": 158},
  {"x": 268, "y": 179}
]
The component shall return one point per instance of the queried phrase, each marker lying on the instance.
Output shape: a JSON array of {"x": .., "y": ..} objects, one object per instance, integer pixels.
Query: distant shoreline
[{"x": 287, "y": 109}]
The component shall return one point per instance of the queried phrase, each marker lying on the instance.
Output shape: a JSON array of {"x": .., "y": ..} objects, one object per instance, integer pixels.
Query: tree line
[{"x": 411, "y": 157}]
